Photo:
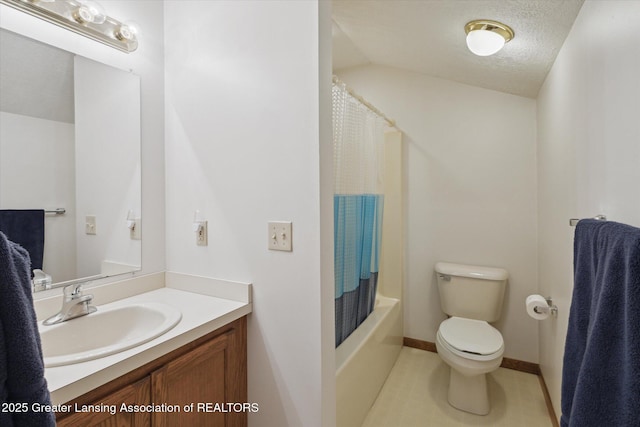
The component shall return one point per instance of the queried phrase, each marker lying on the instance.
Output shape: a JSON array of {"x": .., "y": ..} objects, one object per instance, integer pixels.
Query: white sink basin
[{"x": 105, "y": 332}]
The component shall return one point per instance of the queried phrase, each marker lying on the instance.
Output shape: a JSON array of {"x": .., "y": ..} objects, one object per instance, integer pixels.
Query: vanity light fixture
[
  {"x": 485, "y": 37},
  {"x": 85, "y": 17}
]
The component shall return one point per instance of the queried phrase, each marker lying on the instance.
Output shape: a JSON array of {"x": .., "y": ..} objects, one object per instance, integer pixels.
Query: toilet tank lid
[{"x": 474, "y": 271}]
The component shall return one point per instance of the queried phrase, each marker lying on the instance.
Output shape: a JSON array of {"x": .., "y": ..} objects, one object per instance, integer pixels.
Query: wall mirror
[{"x": 70, "y": 146}]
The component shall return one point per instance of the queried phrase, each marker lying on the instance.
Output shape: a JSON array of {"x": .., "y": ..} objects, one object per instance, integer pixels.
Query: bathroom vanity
[
  {"x": 195, "y": 377},
  {"x": 193, "y": 374},
  {"x": 72, "y": 152}
]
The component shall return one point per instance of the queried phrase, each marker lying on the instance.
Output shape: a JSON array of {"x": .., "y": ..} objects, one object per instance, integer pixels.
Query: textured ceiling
[
  {"x": 427, "y": 36},
  {"x": 35, "y": 79}
]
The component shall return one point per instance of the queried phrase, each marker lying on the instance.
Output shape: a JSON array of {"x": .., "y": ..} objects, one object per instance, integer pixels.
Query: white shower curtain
[{"x": 358, "y": 140}]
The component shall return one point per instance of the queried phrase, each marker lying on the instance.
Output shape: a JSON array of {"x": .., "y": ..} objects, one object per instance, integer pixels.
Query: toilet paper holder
[{"x": 551, "y": 308}]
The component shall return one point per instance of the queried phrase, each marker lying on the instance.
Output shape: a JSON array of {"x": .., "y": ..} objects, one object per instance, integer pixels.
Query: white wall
[
  {"x": 471, "y": 191},
  {"x": 107, "y": 128},
  {"x": 243, "y": 147},
  {"x": 147, "y": 62},
  {"x": 39, "y": 155},
  {"x": 588, "y": 152}
]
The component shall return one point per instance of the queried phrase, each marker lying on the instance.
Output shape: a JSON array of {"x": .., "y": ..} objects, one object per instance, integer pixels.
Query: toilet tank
[{"x": 471, "y": 291}]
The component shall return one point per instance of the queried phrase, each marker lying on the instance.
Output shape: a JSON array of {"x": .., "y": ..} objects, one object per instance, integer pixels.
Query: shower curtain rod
[{"x": 364, "y": 102}]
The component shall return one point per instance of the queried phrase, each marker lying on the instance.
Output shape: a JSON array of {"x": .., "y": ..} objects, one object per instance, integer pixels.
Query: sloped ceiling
[
  {"x": 427, "y": 36},
  {"x": 35, "y": 79}
]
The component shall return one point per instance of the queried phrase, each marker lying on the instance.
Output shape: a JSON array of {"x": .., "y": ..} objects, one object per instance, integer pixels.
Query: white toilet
[{"x": 472, "y": 296}]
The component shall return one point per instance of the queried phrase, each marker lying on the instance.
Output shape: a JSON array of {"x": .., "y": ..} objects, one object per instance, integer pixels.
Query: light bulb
[
  {"x": 97, "y": 11},
  {"x": 484, "y": 43},
  {"x": 90, "y": 12},
  {"x": 127, "y": 31}
]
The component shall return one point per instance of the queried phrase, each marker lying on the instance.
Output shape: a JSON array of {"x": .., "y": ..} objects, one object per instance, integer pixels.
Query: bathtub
[{"x": 364, "y": 360}]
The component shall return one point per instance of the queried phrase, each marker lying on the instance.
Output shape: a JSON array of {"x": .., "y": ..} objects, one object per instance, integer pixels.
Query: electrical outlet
[
  {"x": 280, "y": 237},
  {"x": 202, "y": 233},
  {"x": 90, "y": 224}
]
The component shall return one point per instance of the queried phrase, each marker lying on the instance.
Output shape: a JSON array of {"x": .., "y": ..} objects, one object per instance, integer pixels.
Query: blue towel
[
  {"x": 26, "y": 228},
  {"x": 21, "y": 364},
  {"x": 601, "y": 372},
  {"x": 5, "y": 417}
]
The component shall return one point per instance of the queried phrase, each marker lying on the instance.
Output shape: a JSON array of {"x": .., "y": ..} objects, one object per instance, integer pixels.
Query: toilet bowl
[
  {"x": 472, "y": 297},
  {"x": 472, "y": 348}
]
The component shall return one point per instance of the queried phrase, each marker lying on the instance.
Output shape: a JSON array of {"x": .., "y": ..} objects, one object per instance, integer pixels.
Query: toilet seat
[{"x": 471, "y": 339}]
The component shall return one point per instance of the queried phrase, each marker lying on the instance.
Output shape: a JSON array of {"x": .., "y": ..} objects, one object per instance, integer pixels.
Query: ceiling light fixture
[{"x": 485, "y": 37}]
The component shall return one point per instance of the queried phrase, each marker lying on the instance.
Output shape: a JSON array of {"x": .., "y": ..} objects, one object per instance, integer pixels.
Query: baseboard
[
  {"x": 547, "y": 399},
  {"x": 518, "y": 365},
  {"x": 419, "y": 344}
]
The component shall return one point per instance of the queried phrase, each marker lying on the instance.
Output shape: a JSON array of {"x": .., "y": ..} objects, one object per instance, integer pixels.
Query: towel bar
[
  {"x": 57, "y": 211},
  {"x": 574, "y": 221}
]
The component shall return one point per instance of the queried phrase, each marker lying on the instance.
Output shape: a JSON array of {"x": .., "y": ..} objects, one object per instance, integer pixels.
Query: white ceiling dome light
[{"x": 485, "y": 37}]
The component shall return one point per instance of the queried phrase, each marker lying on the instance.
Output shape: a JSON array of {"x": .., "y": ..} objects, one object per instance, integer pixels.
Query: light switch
[
  {"x": 280, "y": 237},
  {"x": 90, "y": 224},
  {"x": 202, "y": 231},
  {"x": 136, "y": 232}
]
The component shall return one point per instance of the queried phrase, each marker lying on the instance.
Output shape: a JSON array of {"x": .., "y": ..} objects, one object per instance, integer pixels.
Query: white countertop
[{"x": 201, "y": 314}]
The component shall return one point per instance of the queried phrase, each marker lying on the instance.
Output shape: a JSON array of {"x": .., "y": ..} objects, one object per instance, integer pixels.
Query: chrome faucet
[{"x": 75, "y": 304}]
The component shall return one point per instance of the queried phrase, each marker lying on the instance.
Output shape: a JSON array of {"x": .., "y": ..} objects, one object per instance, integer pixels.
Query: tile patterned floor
[{"x": 415, "y": 395}]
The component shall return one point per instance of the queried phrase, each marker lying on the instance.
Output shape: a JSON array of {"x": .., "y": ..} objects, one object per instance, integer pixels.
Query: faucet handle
[{"x": 73, "y": 291}]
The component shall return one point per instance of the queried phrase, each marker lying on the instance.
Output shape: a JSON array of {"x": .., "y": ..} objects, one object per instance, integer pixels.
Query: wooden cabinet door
[
  {"x": 199, "y": 377},
  {"x": 138, "y": 393}
]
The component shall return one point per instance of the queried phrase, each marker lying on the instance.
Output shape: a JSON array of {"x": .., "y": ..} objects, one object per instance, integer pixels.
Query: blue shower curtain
[
  {"x": 357, "y": 234},
  {"x": 358, "y": 154}
]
